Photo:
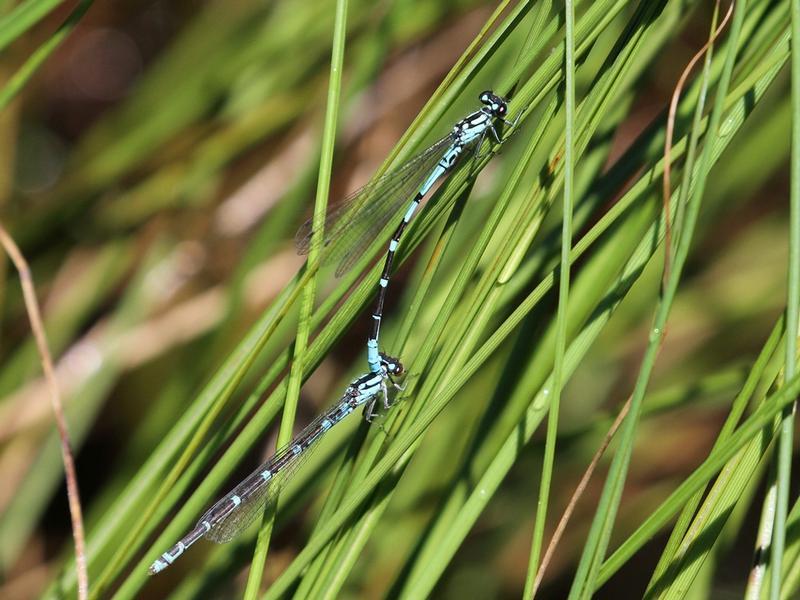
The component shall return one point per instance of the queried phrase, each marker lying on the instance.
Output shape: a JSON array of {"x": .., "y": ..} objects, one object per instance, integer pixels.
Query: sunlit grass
[{"x": 163, "y": 251}]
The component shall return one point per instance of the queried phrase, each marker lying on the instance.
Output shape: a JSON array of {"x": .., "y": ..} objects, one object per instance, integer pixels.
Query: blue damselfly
[{"x": 237, "y": 509}]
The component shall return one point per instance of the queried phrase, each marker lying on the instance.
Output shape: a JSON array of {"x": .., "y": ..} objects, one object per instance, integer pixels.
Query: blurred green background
[{"x": 154, "y": 171}]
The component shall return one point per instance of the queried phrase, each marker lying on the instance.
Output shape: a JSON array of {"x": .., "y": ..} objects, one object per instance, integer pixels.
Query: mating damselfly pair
[{"x": 348, "y": 231}]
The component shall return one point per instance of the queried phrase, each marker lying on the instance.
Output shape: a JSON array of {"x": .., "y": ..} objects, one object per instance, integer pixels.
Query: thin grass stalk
[
  {"x": 37, "y": 326},
  {"x": 307, "y": 302},
  {"x": 563, "y": 298},
  {"x": 786, "y": 441}
]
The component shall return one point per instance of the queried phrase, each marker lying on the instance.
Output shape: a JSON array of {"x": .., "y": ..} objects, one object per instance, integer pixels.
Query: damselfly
[
  {"x": 237, "y": 509},
  {"x": 351, "y": 227}
]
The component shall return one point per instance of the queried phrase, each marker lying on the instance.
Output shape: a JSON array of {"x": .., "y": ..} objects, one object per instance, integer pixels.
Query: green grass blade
[
  {"x": 307, "y": 302},
  {"x": 563, "y": 299},
  {"x": 785, "y": 448}
]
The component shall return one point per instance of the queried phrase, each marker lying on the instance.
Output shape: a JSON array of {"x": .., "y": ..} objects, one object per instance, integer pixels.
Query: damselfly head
[
  {"x": 496, "y": 104},
  {"x": 392, "y": 365}
]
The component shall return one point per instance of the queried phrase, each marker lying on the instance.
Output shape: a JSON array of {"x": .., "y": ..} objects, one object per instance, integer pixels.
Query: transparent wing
[
  {"x": 353, "y": 224},
  {"x": 255, "y": 493}
]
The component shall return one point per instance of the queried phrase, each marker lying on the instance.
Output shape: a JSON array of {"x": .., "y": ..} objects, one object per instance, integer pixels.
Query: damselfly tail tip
[{"x": 157, "y": 566}]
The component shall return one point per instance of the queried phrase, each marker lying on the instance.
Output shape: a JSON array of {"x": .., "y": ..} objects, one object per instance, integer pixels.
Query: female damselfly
[
  {"x": 237, "y": 509},
  {"x": 351, "y": 227}
]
